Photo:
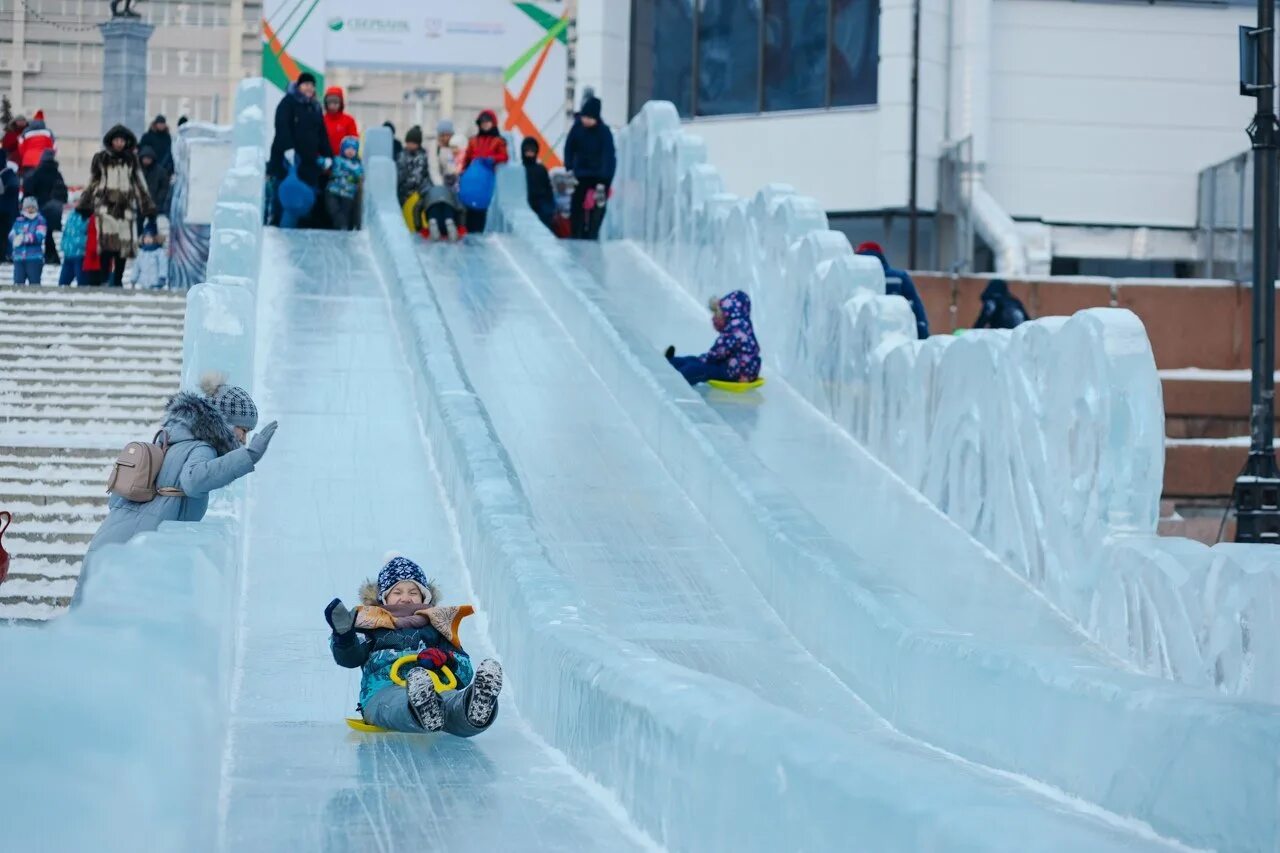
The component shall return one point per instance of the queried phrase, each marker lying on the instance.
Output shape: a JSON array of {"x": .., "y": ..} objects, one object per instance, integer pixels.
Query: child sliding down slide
[
  {"x": 401, "y": 616},
  {"x": 735, "y": 356}
]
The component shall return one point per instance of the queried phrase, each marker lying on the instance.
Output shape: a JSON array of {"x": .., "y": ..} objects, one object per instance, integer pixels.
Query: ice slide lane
[
  {"x": 347, "y": 479},
  {"x": 887, "y": 579},
  {"x": 651, "y": 571}
]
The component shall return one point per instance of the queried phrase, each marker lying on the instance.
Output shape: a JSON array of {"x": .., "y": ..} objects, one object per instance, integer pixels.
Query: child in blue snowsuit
[
  {"x": 735, "y": 356},
  {"x": 401, "y": 615},
  {"x": 75, "y": 237},
  {"x": 344, "y": 184},
  {"x": 26, "y": 238}
]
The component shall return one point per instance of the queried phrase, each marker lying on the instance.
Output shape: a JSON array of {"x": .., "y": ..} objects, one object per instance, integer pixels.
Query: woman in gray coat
[{"x": 207, "y": 450}]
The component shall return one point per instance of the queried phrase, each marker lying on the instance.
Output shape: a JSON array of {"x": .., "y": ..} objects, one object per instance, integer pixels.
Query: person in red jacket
[
  {"x": 488, "y": 142},
  {"x": 338, "y": 123},
  {"x": 12, "y": 134},
  {"x": 35, "y": 140}
]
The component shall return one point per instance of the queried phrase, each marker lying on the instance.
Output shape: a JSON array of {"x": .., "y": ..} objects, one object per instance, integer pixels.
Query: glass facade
[{"x": 735, "y": 57}]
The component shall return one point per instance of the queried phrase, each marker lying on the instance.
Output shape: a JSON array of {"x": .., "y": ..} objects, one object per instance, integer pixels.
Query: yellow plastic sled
[
  {"x": 407, "y": 209},
  {"x": 736, "y": 387},
  {"x": 442, "y": 685}
]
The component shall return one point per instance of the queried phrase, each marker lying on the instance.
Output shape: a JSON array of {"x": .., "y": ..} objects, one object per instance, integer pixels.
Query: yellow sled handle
[{"x": 449, "y": 682}]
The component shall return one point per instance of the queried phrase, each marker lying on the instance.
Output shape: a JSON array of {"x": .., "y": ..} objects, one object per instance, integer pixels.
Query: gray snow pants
[{"x": 389, "y": 708}]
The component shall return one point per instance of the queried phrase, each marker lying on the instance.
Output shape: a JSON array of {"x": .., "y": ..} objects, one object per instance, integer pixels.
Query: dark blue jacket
[
  {"x": 589, "y": 152},
  {"x": 898, "y": 283},
  {"x": 299, "y": 127},
  {"x": 1000, "y": 308}
]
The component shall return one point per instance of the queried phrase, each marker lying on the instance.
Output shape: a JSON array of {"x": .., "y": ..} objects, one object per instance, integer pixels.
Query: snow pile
[
  {"x": 130, "y": 688},
  {"x": 1045, "y": 444}
]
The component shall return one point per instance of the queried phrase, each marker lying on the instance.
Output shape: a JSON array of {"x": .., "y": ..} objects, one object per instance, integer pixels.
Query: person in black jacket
[
  {"x": 159, "y": 140},
  {"x": 158, "y": 178},
  {"x": 50, "y": 192},
  {"x": 537, "y": 182},
  {"x": 589, "y": 154},
  {"x": 1000, "y": 308},
  {"x": 9, "y": 193},
  {"x": 299, "y": 127}
]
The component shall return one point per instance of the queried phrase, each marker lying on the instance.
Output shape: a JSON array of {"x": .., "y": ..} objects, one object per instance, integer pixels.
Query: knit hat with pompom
[
  {"x": 233, "y": 402},
  {"x": 398, "y": 568}
]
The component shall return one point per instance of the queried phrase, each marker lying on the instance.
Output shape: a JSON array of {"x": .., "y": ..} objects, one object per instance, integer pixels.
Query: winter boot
[
  {"x": 424, "y": 701},
  {"x": 452, "y": 228},
  {"x": 485, "y": 688},
  {"x": 670, "y": 353}
]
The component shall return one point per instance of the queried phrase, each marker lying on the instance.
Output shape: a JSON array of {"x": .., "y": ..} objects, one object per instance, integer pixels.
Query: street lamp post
[{"x": 1257, "y": 489}]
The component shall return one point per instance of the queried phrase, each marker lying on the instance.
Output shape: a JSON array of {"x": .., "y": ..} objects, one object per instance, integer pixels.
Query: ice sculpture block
[
  {"x": 631, "y": 719},
  {"x": 932, "y": 615},
  {"x": 120, "y": 730},
  {"x": 218, "y": 333},
  {"x": 1060, "y": 425}
]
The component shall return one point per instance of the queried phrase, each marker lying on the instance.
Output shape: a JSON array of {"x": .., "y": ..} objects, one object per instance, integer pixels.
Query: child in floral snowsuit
[
  {"x": 401, "y": 616},
  {"x": 735, "y": 356},
  {"x": 27, "y": 239}
]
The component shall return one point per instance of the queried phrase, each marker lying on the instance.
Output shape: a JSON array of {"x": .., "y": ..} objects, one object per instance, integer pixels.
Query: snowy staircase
[{"x": 82, "y": 373}]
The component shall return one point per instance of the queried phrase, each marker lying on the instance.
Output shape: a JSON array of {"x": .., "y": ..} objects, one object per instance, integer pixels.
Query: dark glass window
[
  {"x": 855, "y": 52},
  {"x": 795, "y": 54},
  {"x": 662, "y": 53},
  {"x": 728, "y": 57}
]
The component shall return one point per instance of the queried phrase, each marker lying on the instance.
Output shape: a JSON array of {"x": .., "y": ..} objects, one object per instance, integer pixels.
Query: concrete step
[
  {"x": 33, "y": 535},
  {"x": 57, "y": 455},
  {"x": 75, "y": 295},
  {"x": 76, "y": 330},
  {"x": 73, "y": 363},
  {"x": 123, "y": 314},
  {"x": 89, "y": 414},
  {"x": 112, "y": 353},
  {"x": 70, "y": 494},
  {"x": 40, "y": 567},
  {"x": 74, "y": 397},
  {"x": 22, "y": 610},
  {"x": 1203, "y": 467},
  {"x": 49, "y": 550},
  {"x": 80, "y": 341},
  {"x": 40, "y": 516},
  {"x": 38, "y": 589},
  {"x": 36, "y": 477},
  {"x": 95, "y": 379}
]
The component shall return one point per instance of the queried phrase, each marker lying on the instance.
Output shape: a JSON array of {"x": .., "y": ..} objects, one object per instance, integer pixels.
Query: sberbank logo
[{"x": 369, "y": 25}]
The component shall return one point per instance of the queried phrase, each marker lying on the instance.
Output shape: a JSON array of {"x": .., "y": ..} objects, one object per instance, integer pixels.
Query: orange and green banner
[{"x": 524, "y": 41}]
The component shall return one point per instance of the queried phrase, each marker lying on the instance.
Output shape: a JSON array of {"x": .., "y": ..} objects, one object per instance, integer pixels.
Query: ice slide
[{"x": 697, "y": 660}]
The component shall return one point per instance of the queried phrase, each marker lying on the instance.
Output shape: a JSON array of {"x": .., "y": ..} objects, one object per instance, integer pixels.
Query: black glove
[{"x": 340, "y": 619}]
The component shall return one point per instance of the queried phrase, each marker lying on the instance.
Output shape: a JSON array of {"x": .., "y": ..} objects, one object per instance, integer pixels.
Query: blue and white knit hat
[
  {"x": 398, "y": 569},
  {"x": 233, "y": 402}
]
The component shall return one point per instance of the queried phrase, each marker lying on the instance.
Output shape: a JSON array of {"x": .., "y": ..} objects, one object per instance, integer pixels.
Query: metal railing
[
  {"x": 1225, "y": 217},
  {"x": 954, "y": 225}
]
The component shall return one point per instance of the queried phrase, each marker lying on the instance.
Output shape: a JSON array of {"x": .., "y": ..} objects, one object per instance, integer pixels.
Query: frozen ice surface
[
  {"x": 853, "y": 559},
  {"x": 323, "y": 514},
  {"x": 1045, "y": 444}
]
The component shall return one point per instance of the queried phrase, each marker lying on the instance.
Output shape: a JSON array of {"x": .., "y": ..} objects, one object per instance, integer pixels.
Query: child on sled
[
  {"x": 401, "y": 615},
  {"x": 735, "y": 355}
]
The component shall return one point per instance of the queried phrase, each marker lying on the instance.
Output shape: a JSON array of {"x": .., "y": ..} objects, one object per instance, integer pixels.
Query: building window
[
  {"x": 727, "y": 57},
  {"x": 662, "y": 53}
]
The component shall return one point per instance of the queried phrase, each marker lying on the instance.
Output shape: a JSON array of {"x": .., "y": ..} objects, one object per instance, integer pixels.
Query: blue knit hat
[{"x": 402, "y": 569}]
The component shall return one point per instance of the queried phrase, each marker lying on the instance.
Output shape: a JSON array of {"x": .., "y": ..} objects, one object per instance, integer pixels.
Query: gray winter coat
[{"x": 203, "y": 455}]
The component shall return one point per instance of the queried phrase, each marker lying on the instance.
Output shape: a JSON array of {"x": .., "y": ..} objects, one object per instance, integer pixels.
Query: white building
[{"x": 1090, "y": 117}]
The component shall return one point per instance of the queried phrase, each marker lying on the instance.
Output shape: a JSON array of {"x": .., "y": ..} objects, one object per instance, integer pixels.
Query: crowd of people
[{"x": 114, "y": 219}]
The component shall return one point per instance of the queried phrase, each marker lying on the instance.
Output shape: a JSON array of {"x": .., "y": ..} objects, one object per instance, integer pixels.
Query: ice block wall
[
  {"x": 1045, "y": 443},
  {"x": 117, "y": 710}
]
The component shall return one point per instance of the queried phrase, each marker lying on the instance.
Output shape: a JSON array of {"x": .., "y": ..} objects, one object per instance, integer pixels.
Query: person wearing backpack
[{"x": 203, "y": 445}]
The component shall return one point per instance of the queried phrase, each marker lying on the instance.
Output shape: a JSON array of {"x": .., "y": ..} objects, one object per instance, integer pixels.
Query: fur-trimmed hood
[
  {"x": 369, "y": 593},
  {"x": 202, "y": 420}
]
